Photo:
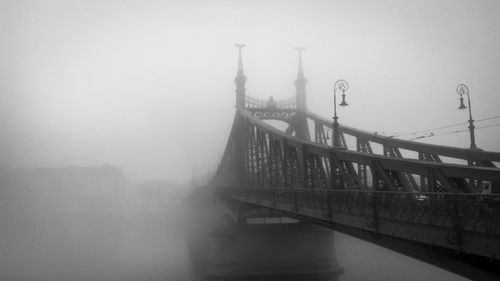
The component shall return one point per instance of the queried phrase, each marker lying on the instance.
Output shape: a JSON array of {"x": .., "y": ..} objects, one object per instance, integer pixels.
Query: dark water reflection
[{"x": 140, "y": 235}]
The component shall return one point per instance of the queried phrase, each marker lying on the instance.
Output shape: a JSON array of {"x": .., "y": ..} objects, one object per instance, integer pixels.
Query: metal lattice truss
[{"x": 265, "y": 156}]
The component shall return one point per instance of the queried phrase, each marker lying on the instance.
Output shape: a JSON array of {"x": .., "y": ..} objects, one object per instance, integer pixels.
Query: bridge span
[{"x": 396, "y": 193}]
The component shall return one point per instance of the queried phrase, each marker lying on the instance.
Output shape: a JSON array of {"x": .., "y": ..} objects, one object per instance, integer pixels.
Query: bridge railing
[{"x": 464, "y": 211}]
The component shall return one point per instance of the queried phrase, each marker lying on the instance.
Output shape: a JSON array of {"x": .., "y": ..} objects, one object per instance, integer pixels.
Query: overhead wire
[
  {"x": 443, "y": 127},
  {"x": 433, "y": 129},
  {"x": 453, "y": 132},
  {"x": 489, "y": 118}
]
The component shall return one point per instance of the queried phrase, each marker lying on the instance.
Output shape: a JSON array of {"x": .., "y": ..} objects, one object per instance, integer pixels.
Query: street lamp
[
  {"x": 340, "y": 85},
  {"x": 461, "y": 90}
]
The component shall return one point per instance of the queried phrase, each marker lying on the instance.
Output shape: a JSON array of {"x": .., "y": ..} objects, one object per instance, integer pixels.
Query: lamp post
[
  {"x": 461, "y": 90},
  {"x": 340, "y": 85}
]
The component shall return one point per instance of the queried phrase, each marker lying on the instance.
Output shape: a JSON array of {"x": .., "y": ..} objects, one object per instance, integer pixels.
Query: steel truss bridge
[{"x": 396, "y": 193}]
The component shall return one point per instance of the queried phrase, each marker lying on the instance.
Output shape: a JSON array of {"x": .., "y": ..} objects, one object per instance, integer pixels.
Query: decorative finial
[
  {"x": 341, "y": 85},
  {"x": 462, "y": 89}
]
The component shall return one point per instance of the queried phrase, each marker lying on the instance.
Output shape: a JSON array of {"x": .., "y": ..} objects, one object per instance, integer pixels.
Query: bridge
[{"x": 399, "y": 194}]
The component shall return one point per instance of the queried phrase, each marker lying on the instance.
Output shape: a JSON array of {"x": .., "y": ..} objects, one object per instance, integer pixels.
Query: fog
[
  {"x": 147, "y": 85},
  {"x": 90, "y": 223},
  {"x": 109, "y": 109}
]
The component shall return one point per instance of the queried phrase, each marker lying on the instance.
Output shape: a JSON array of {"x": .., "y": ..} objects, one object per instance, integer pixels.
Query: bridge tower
[
  {"x": 301, "y": 126},
  {"x": 250, "y": 242}
]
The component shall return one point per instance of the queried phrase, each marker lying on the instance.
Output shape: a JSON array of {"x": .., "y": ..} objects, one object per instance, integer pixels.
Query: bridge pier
[{"x": 264, "y": 247}]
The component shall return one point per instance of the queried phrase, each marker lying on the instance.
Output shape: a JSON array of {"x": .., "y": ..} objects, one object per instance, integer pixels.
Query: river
[{"x": 140, "y": 235}]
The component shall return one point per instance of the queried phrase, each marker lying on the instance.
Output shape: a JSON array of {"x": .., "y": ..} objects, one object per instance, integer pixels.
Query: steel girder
[{"x": 392, "y": 146}]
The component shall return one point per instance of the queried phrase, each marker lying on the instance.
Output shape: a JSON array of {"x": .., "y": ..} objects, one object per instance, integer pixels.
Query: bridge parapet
[{"x": 271, "y": 103}]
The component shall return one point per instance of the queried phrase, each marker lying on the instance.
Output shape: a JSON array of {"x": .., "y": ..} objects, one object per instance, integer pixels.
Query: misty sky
[{"x": 148, "y": 85}]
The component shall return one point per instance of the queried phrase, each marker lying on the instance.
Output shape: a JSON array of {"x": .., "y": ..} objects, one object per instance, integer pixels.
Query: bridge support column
[{"x": 271, "y": 247}]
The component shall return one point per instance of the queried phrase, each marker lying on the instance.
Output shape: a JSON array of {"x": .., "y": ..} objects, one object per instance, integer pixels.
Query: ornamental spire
[
  {"x": 240, "y": 80},
  {"x": 240, "y": 61},
  {"x": 300, "y": 83},
  {"x": 300, "y": 72}
]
